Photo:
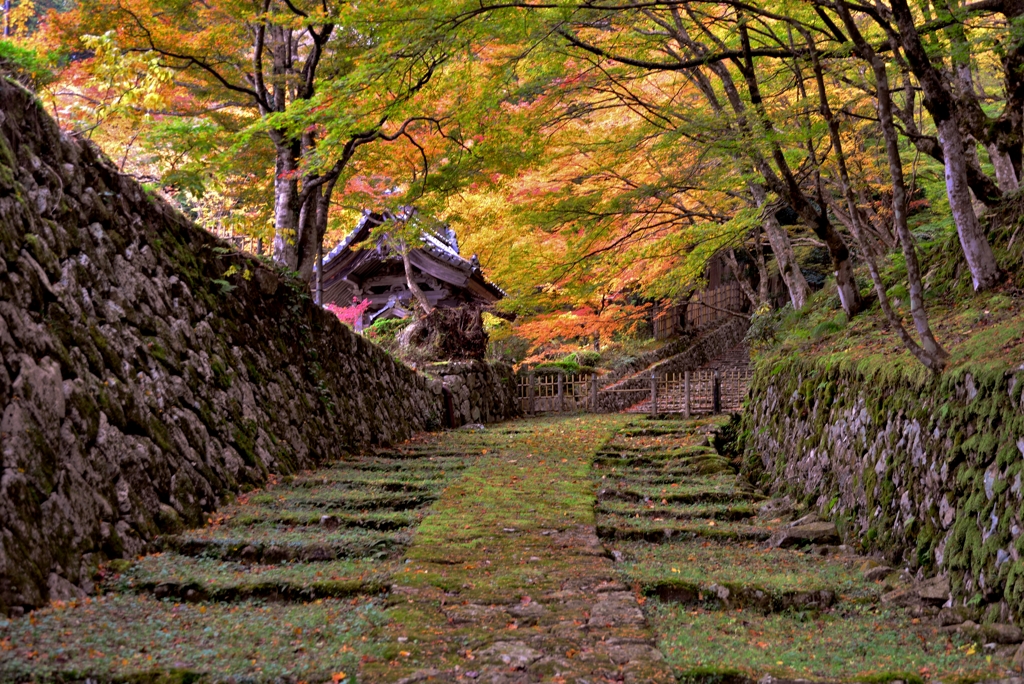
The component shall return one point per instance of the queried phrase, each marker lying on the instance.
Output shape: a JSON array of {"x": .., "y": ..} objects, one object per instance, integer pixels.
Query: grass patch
[
  {"x": 774, "y": 571},
  {"x": 856, "y": 643},
  {"x": 215, "y": 578},
  {"x": 128, "y": 636}
]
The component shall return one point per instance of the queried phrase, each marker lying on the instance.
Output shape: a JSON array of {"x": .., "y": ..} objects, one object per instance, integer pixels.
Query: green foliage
[
  {"x": 826, "y": 328},
  {"x": 26, "y": 64},
  {"x": 763, "y": 332},
  {"x": 575, "y": 362},
  {"x": 225, "y": 286},
  {"x": 385, "y": 330},
  {"x": 509, "y": 348}
]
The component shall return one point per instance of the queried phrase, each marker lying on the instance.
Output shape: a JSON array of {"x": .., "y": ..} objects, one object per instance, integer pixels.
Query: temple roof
[{"x": 438, "y": 256}]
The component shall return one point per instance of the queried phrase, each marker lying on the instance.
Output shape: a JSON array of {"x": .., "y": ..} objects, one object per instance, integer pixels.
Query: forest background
[{"x": 596, "y": 154}]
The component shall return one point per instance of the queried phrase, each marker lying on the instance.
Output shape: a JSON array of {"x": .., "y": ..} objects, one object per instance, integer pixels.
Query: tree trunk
[
  {"x": 286, "y": 214},
  {"x": 778, "y": 238},
  {"x": 763, "y": 293},
  {"x": 973, "y": 241},
  {"x": 929, "y": 352},
  {"x": 741, "y": 279},
  {"x": 788, "y": 186},
  {"x": 413, "y": 287},
  {"x": 1006, "y": 175},
  {"x": 899, "y": 208},
  {"x": 320, "y": 276},
  {"x": 939, "y": 102}
]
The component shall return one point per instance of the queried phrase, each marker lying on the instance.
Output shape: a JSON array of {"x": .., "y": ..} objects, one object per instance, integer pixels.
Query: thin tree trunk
[
  {"x": 878, "y": 226},
  {"x": 930, "y": 353},
  {"x": 413, "y": 287},
  {"x": 741, "y": 280},
  {"x": 939, "y": 101},
  {"x": 762, "y": 270},
  {"x": 778, "y": 238},
  {"x": 973, "y": 241},
  {"x": 788, "y": 186},
  {"x": 929, "y": 361},
  {"x": 286, "y": 215},
  {"x": 1006, "y": 175},
  {"x": 782, "y": 248},
  {"x": 320, "y": 274},
  {"x": 899, "y": 208}
]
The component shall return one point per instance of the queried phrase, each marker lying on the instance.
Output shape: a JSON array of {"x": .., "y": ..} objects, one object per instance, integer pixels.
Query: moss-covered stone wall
[
  {"x": 926, "y": 470},
  {"x": 148, "y": 370},
  {"x": 480, "y": 392}
]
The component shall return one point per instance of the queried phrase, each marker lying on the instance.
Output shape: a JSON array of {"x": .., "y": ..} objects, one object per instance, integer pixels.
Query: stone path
[
  {"x": 567, "y": 549},
  {"x": 739, "y": 588},
  {"x": 283, "y": 586},
  {"x": 508, "y": 582}
]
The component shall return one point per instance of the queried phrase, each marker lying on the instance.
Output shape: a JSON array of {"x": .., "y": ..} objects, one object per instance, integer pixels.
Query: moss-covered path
[
  {"x": 507, "y": 580},
  {"x": 738, "y": 588},
  {"x": 283, "y": 586},
  {"x": 569, "y": 549}
]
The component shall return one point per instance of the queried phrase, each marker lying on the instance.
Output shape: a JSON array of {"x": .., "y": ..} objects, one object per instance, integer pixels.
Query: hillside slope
[{"x": 923, "y": 469}]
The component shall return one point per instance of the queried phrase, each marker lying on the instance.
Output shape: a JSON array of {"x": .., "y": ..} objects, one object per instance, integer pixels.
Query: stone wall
[
  {"x": 698, "y": 352},
  {"x": 480, "y": 392},
  {"x": 924, "y": 470},
  {"x": 147, "y": 370}
]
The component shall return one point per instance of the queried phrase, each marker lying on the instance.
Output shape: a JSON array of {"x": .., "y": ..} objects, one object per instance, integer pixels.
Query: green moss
[{"x": 221, "y": 377}]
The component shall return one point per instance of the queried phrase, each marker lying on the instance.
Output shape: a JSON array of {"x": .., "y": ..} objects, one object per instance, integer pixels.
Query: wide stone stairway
[
  {"x": 740, "y": 587},
  {"x": 571, "y": 549},
  {"x": 282, "y": 586}
]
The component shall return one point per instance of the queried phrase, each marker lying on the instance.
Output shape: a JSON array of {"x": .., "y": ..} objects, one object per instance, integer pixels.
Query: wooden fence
[
  {"x": 668, "y": 322},
  {"x": 696, "y": 392},
  {"x": 708, "y": 306},
  {"x": 692, "y": 393},
  {"x": 557, "y": 392},
  {"x": 703, "y": 309},
  {"x": 246, "y": 244}
]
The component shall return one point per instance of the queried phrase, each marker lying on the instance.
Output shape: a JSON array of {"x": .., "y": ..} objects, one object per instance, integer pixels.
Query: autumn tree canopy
[{"x": 596, "y": 153}]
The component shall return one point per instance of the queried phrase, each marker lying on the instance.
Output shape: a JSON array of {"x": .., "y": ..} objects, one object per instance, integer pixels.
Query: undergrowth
[{"x": 974, "y": 327}]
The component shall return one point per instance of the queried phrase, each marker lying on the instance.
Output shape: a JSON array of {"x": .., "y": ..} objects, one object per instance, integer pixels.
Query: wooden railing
[{"x": 557, "y": 392}]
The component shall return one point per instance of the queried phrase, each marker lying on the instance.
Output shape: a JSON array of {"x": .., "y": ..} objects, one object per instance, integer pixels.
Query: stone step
[
  {"x": 411, "y": 466},
  {"x": 652, "y": 530},
  {"x": 733, "y": 496},
  {"x": 330, "y": 501},
  {"x": 750, "y": 567},
  {"x": 173, "y": 576},
  {"x": 705, "y": 511},
  {"x": 721, "y": 488},
  {"x": 662, "y": 470},
  {"x": 133, "y": 637},
  {"x": 843, "y": 643},
  {"x": 382, "y": 521},
  {"x": 271, "y": 544},
  {"x": 351, "y": 478},
  {"x": 652, "y": 454},
  {"x": 737, "y": 596}
]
